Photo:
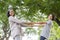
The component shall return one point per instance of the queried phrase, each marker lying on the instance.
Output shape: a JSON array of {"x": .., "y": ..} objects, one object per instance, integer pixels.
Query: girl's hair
[
  {"x": 8, "y": 14},
  {"x": 53, "y": 16}
]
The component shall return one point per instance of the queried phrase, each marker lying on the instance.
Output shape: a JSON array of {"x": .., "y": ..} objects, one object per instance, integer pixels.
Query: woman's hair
[
  {"x": 8, "y": 14},
  {"x": 53, "y": 16}
]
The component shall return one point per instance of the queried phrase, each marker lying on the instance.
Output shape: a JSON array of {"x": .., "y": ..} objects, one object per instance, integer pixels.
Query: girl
[
  {"x": 46, "y": 29},
  {"x": 15, "y": 25}
]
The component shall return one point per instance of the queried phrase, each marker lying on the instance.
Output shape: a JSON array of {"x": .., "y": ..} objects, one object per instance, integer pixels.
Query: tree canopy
[
  {"x": 33, "y": 10},
  {"x": 45, "y": 6}
]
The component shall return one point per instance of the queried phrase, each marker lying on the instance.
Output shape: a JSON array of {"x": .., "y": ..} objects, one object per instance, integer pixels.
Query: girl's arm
[
  {"x": 12, "y": 19},
  {"x": 41, "y": 23},
  {"x": 28, "y": 23}
]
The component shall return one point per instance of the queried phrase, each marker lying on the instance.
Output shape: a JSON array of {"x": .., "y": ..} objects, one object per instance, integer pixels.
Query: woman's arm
[
  {"x": 12, "y": 19},
  {"x": 32, "y": 23},
  {"x": 41, "y": 23},
  {"x": 28, "y": 23}
]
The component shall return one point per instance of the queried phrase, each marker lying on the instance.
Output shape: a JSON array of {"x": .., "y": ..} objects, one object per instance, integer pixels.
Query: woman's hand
[{"x": 30, "y": 24}]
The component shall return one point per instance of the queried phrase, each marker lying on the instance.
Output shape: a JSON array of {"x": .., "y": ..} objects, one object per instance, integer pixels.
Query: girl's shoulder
[{"x": 11, "y": 17}]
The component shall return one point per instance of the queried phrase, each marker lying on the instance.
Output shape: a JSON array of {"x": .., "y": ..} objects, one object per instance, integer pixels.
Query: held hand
[{"x": 30, "y": 24}]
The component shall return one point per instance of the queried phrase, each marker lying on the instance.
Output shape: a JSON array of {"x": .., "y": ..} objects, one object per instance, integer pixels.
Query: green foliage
[
  {"x": 30, "y": 31},
  {"x": 32, "y": 10}
]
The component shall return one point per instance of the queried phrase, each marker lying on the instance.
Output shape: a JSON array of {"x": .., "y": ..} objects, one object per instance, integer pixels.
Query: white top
[
  {"x": 15, "y": 26},
  {"x": 46, "y": 29}
]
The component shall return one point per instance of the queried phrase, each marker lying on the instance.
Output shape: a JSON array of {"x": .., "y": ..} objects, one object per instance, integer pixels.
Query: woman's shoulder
[
  {"x": 49, "y": 21},
  {"x": 11, "y": 17}
]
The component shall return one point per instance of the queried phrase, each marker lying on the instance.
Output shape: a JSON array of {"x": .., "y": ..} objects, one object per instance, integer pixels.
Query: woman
[
  {"x": 46, "y": 29},
  {"x": 15, "y": 25}
]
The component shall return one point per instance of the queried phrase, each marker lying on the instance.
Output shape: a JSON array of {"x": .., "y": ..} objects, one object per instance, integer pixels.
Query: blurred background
[{"x": 30, "y": 10}]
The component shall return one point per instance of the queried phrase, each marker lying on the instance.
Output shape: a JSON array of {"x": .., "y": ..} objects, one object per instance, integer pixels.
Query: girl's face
[
  {"x": 50, "y": 17},
  {"x": 11, "y": 13}
]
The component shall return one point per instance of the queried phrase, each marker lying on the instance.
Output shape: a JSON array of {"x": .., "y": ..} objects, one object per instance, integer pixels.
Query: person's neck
[
  {"x": 12, "y": 16},
  {"x": 49, "y": 19}
]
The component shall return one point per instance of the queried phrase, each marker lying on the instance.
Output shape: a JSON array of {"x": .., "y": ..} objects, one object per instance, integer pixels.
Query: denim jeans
[{"x": 42, "y": 38}]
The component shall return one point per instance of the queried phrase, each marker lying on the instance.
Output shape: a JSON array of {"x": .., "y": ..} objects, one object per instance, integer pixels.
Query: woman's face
[
  {"x": 11, "y": 13},
  {"x": 50, "y": 17}
]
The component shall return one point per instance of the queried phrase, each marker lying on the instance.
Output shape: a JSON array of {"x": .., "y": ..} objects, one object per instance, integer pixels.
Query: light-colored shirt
[
  {"x": 15, "y": 26},
  {"x": 46, "y": 29}
]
